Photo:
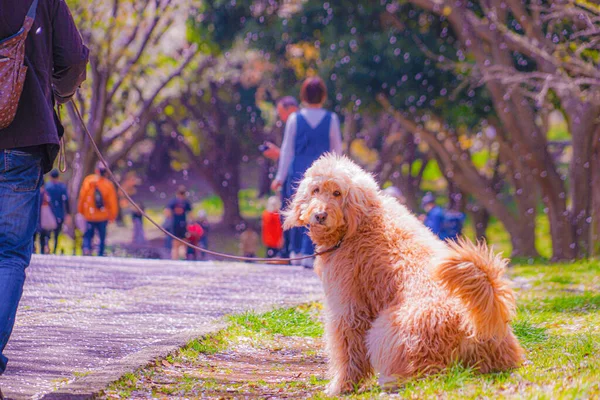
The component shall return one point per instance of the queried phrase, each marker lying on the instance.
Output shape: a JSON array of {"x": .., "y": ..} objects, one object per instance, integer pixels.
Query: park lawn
[{"x": 281, "y": 352}]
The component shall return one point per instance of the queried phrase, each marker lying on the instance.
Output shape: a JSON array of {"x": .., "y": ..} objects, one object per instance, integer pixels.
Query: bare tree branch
[{"x": 159, "y": 13}]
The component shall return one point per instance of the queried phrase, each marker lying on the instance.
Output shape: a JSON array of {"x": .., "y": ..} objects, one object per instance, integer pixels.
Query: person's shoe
[
  {"x": 1, "y": 395},
  {"x": 294, "y": 255}
]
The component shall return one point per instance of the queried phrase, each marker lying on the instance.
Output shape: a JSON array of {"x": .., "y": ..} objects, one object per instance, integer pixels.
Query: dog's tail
[{"x": 473, "y": 273}]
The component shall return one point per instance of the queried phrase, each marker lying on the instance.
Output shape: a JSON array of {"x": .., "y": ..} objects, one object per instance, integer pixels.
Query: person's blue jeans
[
  {"x": 301, "y": 243},
  {"x": 92, "y": 227},
  {"x": 20, "y": 181}
]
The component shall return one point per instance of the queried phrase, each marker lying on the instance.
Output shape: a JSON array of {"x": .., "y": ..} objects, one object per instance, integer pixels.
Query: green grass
[
  {"x": 286, "y": 322},
  {"x": 557, "y": 322}
]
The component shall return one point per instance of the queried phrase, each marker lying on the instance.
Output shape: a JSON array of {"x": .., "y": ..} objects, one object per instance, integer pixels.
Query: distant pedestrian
[
  {"x": 59, "y": 202},
  {"x": 47, "y": 222},
  {"x": 99, "y": 205},
  {"x": 202, "y": 218},
  {"x": 168, "y": 226},
  {"x": 309, "y": 133},
  {"x": 286, "y": 106},
  {"x": 137, "y": 219},
  {"x": 249, "y": 242},
  {"x": 195, "y": 233},
  {"x": 453, "y": 225},
  {"x": 42, "y": 37},
  {"x": 178, "y": 208},
  {"x": 434, "y": 217},
  {"x": 272, "y": 231}
]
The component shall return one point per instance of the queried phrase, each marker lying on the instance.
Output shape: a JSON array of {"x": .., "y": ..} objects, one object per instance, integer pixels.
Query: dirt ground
[{"x": 287, "y": 367}]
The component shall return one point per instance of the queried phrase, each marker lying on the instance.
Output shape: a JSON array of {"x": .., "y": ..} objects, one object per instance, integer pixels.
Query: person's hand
[
  {"x": 422, "y": 217},
  {"x": 69, "y": 220},
  {"x": 276, "y": 185},
  {"x": 272, "y": 152}
]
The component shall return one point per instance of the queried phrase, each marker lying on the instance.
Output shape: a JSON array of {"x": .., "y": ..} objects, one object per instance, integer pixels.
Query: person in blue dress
[{"x": 309, "y": 133}]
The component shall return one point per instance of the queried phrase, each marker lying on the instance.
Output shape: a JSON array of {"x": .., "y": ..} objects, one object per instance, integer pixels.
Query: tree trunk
[
  {"x": 518, "y": 118},
  {"x": 265, "y": 177},
  {"x": 481, "y": 220},
  {"x": 583, "y": 127},
  {"x": 462, "y": 172},
  {"x": 226, "y": 183},
  {"x": 231, "y": 203},
  {"x": 594, "y": 242}
]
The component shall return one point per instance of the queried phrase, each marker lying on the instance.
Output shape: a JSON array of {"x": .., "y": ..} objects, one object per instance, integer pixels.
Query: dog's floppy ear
[
  {"x": 294, "y": 212},
  {"x": 358, "y": 204}
]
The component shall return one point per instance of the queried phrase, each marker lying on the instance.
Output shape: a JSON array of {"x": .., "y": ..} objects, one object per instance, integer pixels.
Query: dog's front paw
[
  {"x": 332, "y": 390},
  {"x": 337, "y": 387}
]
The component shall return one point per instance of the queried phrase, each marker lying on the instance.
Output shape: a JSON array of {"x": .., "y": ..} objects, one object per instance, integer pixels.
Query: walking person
[
  {"x": 178, "y": 208},
  {"x": 56, "y": 59},
  {"x": 137, "y": 219},
  {"x": 99, "y": 205},
  {"x": 434, "y": 215},
  {"x": 309, "y": 133},
  {"x": 59, "y": 203},
  {"x": 286, "y": 106},
  {"x": 47, "y": 222}
]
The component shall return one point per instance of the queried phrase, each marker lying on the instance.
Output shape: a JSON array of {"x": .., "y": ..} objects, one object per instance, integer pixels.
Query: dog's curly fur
[{"x": 399, "y": 301}]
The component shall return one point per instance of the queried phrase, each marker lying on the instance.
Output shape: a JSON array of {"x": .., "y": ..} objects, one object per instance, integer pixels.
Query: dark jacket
[
  {"x": 59, "y": 199},
  {"x": 55, "y": 57}
]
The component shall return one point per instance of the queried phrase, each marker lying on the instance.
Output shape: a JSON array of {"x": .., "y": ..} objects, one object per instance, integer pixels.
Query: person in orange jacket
[
  {"x": 272, "y": 232},
  {"x": 98, "y": 204}
]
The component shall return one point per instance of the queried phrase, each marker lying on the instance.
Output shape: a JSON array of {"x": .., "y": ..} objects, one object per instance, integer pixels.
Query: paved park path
[{"x": 84, "y": 322}]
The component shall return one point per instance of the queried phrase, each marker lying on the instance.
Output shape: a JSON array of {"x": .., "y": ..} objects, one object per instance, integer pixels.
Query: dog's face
[{"x": 333, "y": 199}]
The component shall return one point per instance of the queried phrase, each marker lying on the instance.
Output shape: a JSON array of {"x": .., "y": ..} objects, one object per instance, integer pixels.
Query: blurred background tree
[
  {"x": 138, "y": 49},
  {"x": 493, "y": 104}
]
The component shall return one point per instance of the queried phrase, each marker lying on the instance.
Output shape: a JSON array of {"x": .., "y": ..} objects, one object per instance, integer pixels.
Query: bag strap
[
  {"x": 32, "y": 9},
  {"x": 30, "y": 17}
]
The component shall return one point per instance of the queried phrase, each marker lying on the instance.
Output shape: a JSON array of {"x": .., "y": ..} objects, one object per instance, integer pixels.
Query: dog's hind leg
[
  {"x": 408, "y": 341},
  {"x": 349, "y": 365}
]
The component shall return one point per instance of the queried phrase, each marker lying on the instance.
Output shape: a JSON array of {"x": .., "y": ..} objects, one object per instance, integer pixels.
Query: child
[
  {"x": 195, "y": 233},
  {"x": 249, "y": 242},
  {"x": 272, "y": 232},
  {"x": 203, "y": 220}
]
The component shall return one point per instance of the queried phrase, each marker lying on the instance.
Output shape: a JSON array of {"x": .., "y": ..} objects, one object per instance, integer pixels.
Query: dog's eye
[
  {"x": 315, "y": 190},
  {"x": 337, "y": 193}
]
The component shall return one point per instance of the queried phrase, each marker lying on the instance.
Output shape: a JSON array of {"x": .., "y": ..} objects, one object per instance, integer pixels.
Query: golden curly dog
[{"x": 399, "y": 301}]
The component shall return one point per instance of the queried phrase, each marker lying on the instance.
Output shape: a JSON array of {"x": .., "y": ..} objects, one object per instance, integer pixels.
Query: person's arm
[
  {"x": 335, "y": 135},
  {"x": 286, "y": 155},
  {"x": 272, "y": 151},
  {"x": 70, "y": 55}
]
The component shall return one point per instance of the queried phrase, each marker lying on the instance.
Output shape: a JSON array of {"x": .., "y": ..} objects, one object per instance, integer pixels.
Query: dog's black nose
[{"x": 321, "y": 217}]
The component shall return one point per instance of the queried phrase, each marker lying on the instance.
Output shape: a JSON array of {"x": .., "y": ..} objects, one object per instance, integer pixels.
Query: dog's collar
[{"x": 331, "y": 249}]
